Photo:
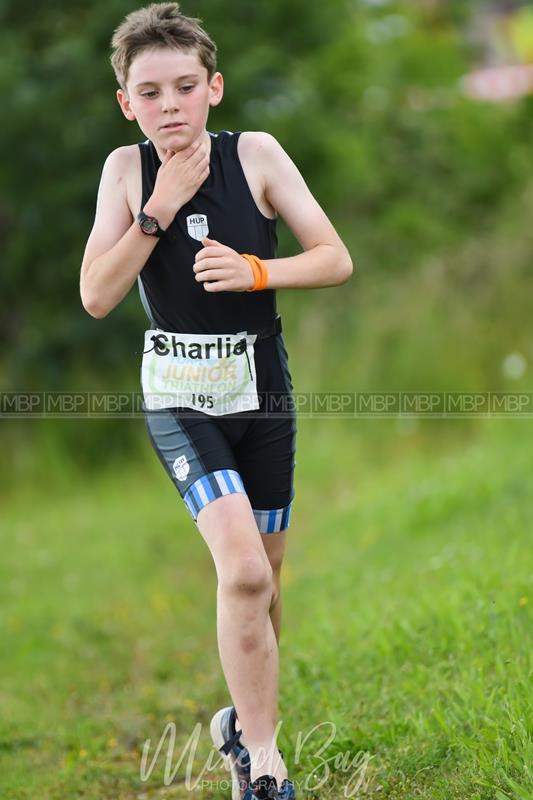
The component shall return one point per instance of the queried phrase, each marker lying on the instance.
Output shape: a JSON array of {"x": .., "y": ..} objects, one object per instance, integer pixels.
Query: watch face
[{"x": 149, "y": 225}]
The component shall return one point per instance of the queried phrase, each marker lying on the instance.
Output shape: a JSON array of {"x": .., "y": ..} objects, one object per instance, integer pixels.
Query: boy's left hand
[{"x": 222, "y": 269}]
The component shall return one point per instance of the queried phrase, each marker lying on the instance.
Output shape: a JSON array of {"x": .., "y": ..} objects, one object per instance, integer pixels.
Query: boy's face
[{"x": 166, "y": 85}]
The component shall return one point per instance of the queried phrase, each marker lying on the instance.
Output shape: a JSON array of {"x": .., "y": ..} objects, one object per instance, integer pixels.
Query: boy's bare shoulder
[
  {"x": 120, "y": 158},
  {"x": 264, "y": 152},
  {"x": 255, "y": 151},
  {"x": 124, "y": 167},
  {"x": 257, "y": 143}
]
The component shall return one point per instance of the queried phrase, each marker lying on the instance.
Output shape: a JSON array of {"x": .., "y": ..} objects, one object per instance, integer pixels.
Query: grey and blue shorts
[{"x": 252, "y": 452}]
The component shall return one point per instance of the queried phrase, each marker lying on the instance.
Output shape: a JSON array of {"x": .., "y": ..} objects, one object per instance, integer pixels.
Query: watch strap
[{"x": 142, "y": 217}]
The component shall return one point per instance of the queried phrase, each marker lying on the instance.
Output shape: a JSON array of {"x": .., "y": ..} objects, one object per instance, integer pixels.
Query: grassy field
[{"x": 407, "y": 624}]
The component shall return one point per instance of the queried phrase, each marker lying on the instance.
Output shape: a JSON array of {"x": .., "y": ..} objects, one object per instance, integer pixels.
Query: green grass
[{"x": 407, "y": 623}]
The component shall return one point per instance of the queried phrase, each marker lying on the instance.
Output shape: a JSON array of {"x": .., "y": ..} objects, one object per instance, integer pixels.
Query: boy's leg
[
  {"x": 246, "y": 639},
  {"x": 274, "y": 544}
]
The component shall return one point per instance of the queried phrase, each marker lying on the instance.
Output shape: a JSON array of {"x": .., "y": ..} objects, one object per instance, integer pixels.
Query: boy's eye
[{"x": 188, "y": 88}]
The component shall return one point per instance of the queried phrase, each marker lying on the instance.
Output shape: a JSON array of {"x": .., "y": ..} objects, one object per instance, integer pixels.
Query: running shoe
[
  {"x": 236, "y": 756},
  {"x": 287, "y": 791},
  {"x": 263, "y": 788},
  {"x": 266, "y": 788}
]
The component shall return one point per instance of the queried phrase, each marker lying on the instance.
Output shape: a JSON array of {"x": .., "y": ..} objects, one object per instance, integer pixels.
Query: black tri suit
[{"x": 252, "y": 451}]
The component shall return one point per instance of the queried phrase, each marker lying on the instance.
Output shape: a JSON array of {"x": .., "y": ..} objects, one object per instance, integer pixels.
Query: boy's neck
[{"x": 204, "y": 137}]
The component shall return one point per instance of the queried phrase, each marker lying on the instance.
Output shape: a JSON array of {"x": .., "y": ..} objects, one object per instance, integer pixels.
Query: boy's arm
[
  {"x": 325, "y": 260},
  {"x": 117, "y": 249}
]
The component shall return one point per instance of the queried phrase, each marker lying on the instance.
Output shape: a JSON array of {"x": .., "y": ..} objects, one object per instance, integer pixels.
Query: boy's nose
[{"x": 170, "y": 103}]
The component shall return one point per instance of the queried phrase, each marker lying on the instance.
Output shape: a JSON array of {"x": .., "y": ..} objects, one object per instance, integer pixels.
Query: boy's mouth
[{"x": 171, "y": 125}]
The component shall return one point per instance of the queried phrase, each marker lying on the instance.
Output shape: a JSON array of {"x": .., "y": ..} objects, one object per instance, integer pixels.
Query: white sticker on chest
[{"x": 197, "y": 226}]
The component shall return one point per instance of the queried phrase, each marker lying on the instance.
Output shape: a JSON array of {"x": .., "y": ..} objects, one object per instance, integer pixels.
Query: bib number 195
[{"x": 203, "y": 400}]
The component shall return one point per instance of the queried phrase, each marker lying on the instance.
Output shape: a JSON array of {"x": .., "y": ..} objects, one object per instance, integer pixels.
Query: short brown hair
[{"x": 159, "y": 25}]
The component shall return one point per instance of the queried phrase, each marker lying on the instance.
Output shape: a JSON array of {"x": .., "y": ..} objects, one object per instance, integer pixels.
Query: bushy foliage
[{"x": 364, "y": 95}]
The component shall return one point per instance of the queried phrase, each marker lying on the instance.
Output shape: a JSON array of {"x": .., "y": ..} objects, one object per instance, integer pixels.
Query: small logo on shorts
[
  {"x": 197, "y": 226},
  {"x": 181, "y": 468}
]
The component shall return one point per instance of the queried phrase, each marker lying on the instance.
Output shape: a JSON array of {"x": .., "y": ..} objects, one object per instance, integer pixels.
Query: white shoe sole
[{"x": 229, "y": 760}]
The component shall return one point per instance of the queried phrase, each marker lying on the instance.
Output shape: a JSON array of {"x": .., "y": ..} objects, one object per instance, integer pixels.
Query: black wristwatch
[{"x": 149, "y": 225}]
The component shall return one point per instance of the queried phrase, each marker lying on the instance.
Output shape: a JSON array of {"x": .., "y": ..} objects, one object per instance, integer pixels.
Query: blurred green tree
[{"x": 364, "y": 95}]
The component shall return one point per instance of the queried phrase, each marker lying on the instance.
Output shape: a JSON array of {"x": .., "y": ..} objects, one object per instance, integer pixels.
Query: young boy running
[{"x": 191, "y": 216}]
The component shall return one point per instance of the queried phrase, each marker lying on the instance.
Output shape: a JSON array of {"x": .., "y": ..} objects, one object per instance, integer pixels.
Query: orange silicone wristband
[{"x": 259, "y": 270}]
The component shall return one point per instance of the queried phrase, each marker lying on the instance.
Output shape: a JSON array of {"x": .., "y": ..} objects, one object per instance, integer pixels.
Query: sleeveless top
[{"x": 172, "y": 298}]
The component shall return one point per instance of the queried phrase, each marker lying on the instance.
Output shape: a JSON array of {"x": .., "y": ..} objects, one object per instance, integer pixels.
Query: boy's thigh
[
  {"x": 275, "y": 549},
  {"x": 229, "y": 529},
  {"x": 205, "y": 463},
  {"x": 196, "y": 454},
  {"x": 266, "y": 460}
]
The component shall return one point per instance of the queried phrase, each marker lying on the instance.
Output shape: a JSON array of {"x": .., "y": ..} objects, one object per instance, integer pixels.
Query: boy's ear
[
  {"x": 124, "y": 103},
  {"x": 216, "y": 89}
]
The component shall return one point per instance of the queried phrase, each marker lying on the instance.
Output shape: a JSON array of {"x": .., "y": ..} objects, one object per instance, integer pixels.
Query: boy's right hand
[{"x": 178, "y": 179}]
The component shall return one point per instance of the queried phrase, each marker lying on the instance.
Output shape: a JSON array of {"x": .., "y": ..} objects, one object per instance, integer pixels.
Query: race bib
[{"x": 213, "y": 373}]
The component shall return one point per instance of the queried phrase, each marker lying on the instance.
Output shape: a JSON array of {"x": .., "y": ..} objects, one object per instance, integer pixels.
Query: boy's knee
[{"x": 249, "y": 573}]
